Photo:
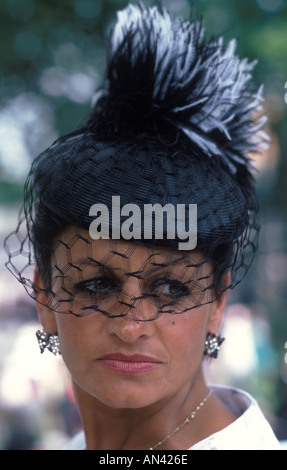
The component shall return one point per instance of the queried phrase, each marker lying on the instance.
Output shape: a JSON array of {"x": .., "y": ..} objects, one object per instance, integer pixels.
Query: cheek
[
  {"x": 186, "y": 340},
  {"x": 75, "y": 341}
]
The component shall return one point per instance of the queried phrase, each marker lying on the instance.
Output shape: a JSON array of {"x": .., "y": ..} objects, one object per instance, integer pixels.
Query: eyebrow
[
  {"x": 163, "y": 263},
  {"x": 154, "y": 263},
  {"x": 104, "y": 267},
  {"x": 81, "y": 263}
]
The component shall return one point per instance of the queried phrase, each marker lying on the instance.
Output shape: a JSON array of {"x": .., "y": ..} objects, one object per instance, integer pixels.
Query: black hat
[{"x": 174, "y": 122}]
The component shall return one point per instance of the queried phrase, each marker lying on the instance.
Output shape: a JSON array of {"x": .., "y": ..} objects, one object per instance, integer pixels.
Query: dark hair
[{"x": 45, "y": 230}]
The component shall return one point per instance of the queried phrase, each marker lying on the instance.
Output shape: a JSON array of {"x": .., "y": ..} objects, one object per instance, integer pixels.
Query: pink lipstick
[{"x": 133, "y": 364}]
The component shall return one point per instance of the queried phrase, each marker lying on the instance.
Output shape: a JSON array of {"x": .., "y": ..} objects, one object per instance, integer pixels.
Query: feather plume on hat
[{"x": 163, "y": 74}]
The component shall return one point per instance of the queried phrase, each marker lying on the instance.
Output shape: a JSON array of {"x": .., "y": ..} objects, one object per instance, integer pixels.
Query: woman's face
[{"x": 124, "y": 361}]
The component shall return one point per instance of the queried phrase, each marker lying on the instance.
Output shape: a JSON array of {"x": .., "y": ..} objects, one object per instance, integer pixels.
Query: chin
[{"x": 129, "y": 396}]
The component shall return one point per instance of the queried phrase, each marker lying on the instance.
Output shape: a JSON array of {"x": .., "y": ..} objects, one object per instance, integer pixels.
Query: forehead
[{"x": 76, "y": 249}]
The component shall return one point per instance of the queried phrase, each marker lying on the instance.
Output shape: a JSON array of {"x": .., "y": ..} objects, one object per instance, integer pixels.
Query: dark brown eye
[
  {"x": 102, "y": 285},
  {"x": 171, "y": 288}
]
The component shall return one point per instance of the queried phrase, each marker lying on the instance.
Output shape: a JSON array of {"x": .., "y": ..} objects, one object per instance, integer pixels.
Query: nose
[
  {"x": 136, "y": 311},
  {"x": 129, "y": 330}
]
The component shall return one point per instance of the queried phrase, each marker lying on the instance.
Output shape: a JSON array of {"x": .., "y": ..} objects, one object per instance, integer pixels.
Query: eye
[
  {"x": 102, "y": 285},
  {"x": 170, "y": 288}
]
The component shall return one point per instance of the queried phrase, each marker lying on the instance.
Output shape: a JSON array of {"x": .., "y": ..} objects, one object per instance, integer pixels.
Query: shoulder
[{"x": 250, "y": 431}]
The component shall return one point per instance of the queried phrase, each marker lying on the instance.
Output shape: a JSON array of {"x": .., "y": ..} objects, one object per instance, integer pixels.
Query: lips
[{"x": 132, "y": 364}]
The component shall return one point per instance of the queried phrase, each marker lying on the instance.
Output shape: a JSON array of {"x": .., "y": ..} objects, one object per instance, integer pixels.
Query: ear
[
  {"x": 217, "y": 309},
  {"x": 45, "y": 313}
]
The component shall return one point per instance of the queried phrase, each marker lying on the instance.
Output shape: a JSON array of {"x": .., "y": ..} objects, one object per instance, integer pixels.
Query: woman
[{"x": 140, "y": 222}]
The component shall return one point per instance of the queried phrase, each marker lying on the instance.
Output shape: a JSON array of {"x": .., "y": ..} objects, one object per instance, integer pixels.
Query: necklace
[{"x": 187, "y": 420}]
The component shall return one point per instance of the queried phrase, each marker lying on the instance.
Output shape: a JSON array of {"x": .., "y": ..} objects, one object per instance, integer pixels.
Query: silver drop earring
[
  {"x": 49, "y": 342},
  {"x": 213, "y": 344}
]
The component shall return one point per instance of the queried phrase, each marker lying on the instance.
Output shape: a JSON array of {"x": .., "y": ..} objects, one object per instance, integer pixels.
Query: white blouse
[{"x": 250, "y": 431}]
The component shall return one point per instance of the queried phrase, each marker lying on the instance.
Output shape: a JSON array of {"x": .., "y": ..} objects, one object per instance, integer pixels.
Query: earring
[
  {"x": 48, "y": 341},
  {"x": 213, "y": 344}
]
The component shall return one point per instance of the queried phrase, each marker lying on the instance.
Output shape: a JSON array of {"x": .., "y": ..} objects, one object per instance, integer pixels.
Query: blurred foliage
[{"x": 10, "y": 192}]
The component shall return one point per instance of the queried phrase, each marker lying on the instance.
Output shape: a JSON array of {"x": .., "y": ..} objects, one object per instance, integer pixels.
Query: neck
[{"x": 139, "y": 429}]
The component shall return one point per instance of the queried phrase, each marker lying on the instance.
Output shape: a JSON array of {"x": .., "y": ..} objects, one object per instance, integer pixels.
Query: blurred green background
[{"x": 52, "y": 60}]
